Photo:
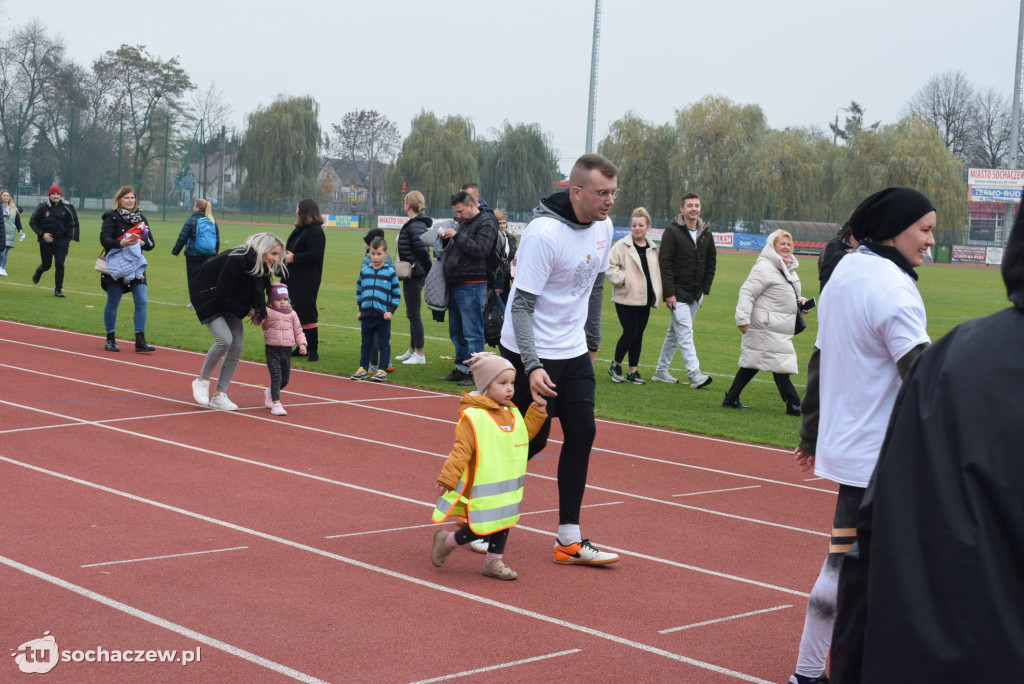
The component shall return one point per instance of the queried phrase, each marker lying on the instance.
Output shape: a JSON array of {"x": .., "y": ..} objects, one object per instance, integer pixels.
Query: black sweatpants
[
  {"x": 574, "y": 408},
  {"x": 633, "y": 320},
  {"x": 279, "y": 363},
  {"x": 53, "y": 253}
]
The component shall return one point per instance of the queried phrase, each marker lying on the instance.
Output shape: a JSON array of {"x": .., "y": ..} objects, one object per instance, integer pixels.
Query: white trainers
[
  {"x": 201, "y": 391},
  {"x": 582, "y": 553},
  {"x": 699, "y": 380},
  {"x": 3, "y": 272},
  {"x": 277, "y": 410},
  {"x": 663, "y": 376},
  {"x": 267, "y": 401},
  {"x": 414, "y": 360},
  {"x": 222, "y": 403},
  {"x": 478, "y": 545},
  {"x": 403, "y": 357}
]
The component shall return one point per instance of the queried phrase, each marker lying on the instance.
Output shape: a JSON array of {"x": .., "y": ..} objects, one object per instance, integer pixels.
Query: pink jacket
[{"x": 282, "y": 328}]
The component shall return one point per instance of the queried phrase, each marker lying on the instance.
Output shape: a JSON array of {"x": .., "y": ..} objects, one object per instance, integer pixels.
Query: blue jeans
[
  {"x": 375, "y": 328},
  {"x": 466, "y": 321},
  {"x": 114, "y": 292}
]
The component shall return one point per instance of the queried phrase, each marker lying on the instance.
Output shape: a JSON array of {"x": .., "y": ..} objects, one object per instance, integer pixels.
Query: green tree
[
  {"x": 783, "y": 174},
  {"x": 520, "y": 167},
  {"x": 712, "y": 137},
  {"x": 854, "y": 123},
  {"x": 369, "y": 137},
  {"x": 147, "y": 91},
  {"x": 280, "y": 151},
  {"x": 437, "y": 157},
  {"x": 642, "y": 150}
]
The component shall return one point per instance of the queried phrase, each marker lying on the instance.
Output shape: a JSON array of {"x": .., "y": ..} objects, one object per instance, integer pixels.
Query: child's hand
[
  {"x": 540, "y": 402},
  {"x": 387, "y": 315},
  {"x": 302, "y": 349},
  {"x": 359, "y": 316},
  {"x": 442, "y": 489}
]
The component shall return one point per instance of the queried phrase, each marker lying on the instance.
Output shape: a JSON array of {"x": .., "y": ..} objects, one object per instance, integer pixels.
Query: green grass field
[{"x": 951, "y": 294}]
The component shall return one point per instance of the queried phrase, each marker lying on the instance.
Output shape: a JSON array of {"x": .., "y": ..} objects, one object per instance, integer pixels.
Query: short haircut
[
  {"x": 466, "y": 187},
  {"x": 416, "y": 201},
  {"x": 1013, "y": 263},
  {"x": 125, "y": 190},
  {"x": 464, "y": 198},
  {"x": 371, "y": 234},
  {"x": 308, "y": 214},
  {"x": 379, "y": 243},
  {"x": 689, "y": 195},
  {"x": 500, "y": 215},
  {"x": 587, "y": 163},
  {"x": 642, "y": 213}
]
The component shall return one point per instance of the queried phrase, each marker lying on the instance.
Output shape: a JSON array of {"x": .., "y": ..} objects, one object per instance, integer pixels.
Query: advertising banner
[
  {"x": 969, "y": 254},
  {"x": 996, "y": 194},
  {"x": 341, "y": 220},
  {"x": 394, "y": 222},
  {"x": 723, "y": 239},
  {"x": 749, "y": 241},
  {"x": 996, "y": 178}
]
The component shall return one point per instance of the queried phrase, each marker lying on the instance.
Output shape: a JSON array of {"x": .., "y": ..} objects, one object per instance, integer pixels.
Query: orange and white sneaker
[{"x": 582, "y": 553}]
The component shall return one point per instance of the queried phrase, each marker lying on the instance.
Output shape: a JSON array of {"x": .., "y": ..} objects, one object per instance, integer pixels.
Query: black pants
[
  {"x": 574, "y": 408},
  {"x": 50, "y": 253},
  {"x": 782, "y": 381},
  {"x": 633, "y": 320},
  {"x": 412, "y": 289},
  {"x": 279, "y": 363},
  {"x": 495, "y": 542}
]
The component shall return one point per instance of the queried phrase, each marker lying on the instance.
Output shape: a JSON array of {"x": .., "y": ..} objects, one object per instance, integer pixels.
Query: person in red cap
[
  {"x": 281, "y": 331},
  {"x": 54, "y": 223}
]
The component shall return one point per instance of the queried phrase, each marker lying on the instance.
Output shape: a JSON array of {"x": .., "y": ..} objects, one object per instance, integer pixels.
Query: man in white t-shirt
[
  {"x": 553, "y": 329},
  {"x": 871, "y": 326}
]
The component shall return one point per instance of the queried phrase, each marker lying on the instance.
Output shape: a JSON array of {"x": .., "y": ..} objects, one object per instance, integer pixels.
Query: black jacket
[
  {"x": 224, "y": 285},
  {"x": 307, "y": 245},
  {"x": 113, "y": 229},
  {"x": 467, "y": 252},
  {"x": 687, "y": 269},
  {"x": 58, "y": 220},
  {"x": 411, "y": 248}
]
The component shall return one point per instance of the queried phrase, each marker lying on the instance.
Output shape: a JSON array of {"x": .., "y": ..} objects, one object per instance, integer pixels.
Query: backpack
[
  {"x": 494, "y": 319},
  {"x": 206, "y": 237},
  {"x": 497, "y": 261}
]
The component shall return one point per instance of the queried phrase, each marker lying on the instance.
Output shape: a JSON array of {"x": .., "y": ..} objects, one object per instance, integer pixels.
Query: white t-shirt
[
  {"x": 559, "y": 264},
  {"x": 871, "y": 315}
]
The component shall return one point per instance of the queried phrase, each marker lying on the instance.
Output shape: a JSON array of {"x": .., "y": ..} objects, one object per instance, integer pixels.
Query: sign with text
[
  {"x": 341, "y": 220},
  {"x": 391, "y": 221},
  {"x": 723, "y": 239},
  {"x": 996, "y": 194},
  {"x": 996, "y": 178},
  {"x": 969, "y": 254}
]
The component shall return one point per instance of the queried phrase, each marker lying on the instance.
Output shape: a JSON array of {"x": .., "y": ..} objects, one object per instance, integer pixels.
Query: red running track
[{"x": 292, "y": 548}]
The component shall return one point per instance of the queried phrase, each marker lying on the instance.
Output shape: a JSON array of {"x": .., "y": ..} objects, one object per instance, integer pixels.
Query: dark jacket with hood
[
  {"x": 188, "y": 234},
  {"x": 224, "y": 286},
  {"x": 56, "y": 219},
  {"x": 411, "y": 248},
  {"x": 468, "y": 251},
  {"x": 687, "y": 269},
  {"x": 307, "y": 245}
]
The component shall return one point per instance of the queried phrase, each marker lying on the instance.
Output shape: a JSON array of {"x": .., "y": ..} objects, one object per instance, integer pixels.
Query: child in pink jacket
[{"x": 281, "y": 332}]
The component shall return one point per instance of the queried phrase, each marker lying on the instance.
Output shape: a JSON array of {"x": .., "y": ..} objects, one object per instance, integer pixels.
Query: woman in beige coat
[
  {"x": 766, "y": 315},
  {"x": 635, "y": 276}
]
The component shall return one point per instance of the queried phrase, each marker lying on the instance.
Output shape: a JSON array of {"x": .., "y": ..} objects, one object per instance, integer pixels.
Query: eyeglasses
[{"x": 603, "y": 194}]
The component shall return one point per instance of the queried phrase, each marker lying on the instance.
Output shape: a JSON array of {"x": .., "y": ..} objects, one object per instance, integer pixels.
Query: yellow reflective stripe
[
  {"x": 496, "y": 488},
  {"x": 495, "y": 514}
]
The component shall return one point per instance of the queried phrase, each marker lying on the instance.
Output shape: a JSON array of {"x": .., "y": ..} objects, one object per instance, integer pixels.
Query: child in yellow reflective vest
[{"x": 482, "y": 480}]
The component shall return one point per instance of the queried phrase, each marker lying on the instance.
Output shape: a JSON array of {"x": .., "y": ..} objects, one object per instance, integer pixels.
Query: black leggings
[
  {"x": 53, "y": 253},
  {"x": 782, "y": 381},
  {"x": 633, "y": 320},
  {"x": 279, "y": 363},
  {"x": 574, "y": 408},
  {"x": 495, "y": 542}
]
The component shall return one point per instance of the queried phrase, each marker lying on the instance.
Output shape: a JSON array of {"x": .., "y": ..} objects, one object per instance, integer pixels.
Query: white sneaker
[
  {"x": 201, "y": 391},
  {"x": 663, "y": 376},
  {"x": 3, "y": 271},
  {"x": 478, "y": 545},
  {"x": 582, "y": 553},
  {"x": 415, "y": 360},
  {"x": 278, "y": 410},
  {"x": 699, "y": 380},
  {"x": 221, "y": 402},
  {"x": 267, "y": 401},
  {"x": 403, "y": 357}
]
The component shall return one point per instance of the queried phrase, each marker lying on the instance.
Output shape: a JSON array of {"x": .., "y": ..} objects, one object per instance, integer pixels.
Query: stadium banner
[
  {"x": 994, "y": 256},
  {"x": 996, "y": 178},
  {"x": 723, "y": 239},
  {"x": 341, "y": 220},
  {"x": 969, "y": 254},
  {"x": 393, "y": 222},
  {"x": 984, "y": 194},
  {"x": 750, "y": 241}
]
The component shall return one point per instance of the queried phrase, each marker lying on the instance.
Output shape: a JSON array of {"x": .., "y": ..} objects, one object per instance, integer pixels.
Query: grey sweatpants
[{"x": 227, "y": 334}]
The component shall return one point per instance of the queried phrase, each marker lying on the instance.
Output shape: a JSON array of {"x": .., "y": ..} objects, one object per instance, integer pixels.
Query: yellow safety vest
[{"x": 497, "y": 493}]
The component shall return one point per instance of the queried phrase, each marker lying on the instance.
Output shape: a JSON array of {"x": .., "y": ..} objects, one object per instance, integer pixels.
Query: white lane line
[
  {"x": 716, "y": 491},
  {"x": 161, "y": 622},
  {"x": 725, "y": 619},
  {"x": 647, "y": 648},
  {"x": 492, "y": 668},
  {"x": 173, "y": 555}
]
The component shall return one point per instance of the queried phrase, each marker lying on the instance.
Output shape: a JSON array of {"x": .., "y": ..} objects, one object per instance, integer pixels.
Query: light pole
[{"x": 835, "y": 128}]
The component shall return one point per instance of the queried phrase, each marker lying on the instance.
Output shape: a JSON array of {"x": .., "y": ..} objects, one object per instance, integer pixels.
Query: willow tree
[
  {"x": 520, "y": 167},
  {"x": 712, "y": 136},
  {"x": 437, "y": 157},
  {"x": 641, "y": 151},
  {"x": 783, "y": 175},
  {"x": 280, "y": 151}
]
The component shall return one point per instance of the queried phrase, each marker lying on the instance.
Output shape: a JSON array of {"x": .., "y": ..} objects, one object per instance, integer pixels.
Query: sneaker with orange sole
[{"x": 582, "y": 553}]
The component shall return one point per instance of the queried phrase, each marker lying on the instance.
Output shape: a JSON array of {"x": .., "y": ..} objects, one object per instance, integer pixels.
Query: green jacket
[{"x": 687, "y": 269}]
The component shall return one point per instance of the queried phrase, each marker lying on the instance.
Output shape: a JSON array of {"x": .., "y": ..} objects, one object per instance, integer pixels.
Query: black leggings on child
[
  {"x": 279, "y": 363},
  {"x": 495, "y": 542}
]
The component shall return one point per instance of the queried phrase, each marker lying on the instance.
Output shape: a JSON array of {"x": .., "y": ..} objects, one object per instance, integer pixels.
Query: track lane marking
[
  {"x": 173, "y": 555},
  {"x": 492, "y": 668},
  {"x": 717, "y": 491},
  {"x": 724, "y": 619}
]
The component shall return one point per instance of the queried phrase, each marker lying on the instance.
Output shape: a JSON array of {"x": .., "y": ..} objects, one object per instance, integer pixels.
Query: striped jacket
[{"x": 377, "y": 290}]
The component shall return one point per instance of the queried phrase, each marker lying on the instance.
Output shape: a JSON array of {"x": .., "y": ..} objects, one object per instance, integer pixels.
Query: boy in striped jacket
[{"x": 378, "y": 296}]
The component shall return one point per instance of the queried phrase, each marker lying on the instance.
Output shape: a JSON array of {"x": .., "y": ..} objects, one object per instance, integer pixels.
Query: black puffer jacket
[
  {"x": 411, "y": 248},
  {"x": 57, "y": 220},
  {"x": 223, "y": 285},
  {"x": 467, "y": 252},
  {"x": 113, "y": 229}
]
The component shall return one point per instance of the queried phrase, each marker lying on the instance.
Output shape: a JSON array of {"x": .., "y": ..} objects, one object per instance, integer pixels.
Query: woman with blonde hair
[
  {"x": 202, "y": 209},
  {"x": 12, "y": 228},
  {"x": 228, "y": 288},
  {"x": 126, "y": 230},
  {"x": 413, "y": 250},
  {"x": 766, "y": 315},
  {"x": 635, "y": 276}
]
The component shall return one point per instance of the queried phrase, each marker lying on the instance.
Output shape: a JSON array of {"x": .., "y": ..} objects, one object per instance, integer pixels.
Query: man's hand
[
  {"x": 47, "y": 237},
  {"x": 670, "y": 302},
  {"x": 541, "y": 385},
  {"x": 803, "y": 459}
]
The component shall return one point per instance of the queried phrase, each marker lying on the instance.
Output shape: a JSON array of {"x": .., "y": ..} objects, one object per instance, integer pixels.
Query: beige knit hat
[{"x": 486, "y": 366}]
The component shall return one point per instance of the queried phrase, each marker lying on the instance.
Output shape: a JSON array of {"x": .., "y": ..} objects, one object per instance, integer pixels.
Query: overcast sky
[{"x": 529, "y": 60}]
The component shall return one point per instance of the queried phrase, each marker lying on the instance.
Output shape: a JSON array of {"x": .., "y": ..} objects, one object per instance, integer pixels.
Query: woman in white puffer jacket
[{"x": 766, "y": 315}]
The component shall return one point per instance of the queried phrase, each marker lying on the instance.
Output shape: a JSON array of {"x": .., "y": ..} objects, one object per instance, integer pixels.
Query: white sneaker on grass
[
  {"x": 403, "y": 357},
  {"x": 663, "y": 376},
  {"x": 414, "y": 360},
  {"x": 699, "y": 380},
  {"x": 222, "y": 403},
  {"x": 201, "y": 391}
]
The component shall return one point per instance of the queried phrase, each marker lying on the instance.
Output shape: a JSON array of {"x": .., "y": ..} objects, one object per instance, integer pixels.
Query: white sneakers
[
  {"x": 201, "y": 391},
  {"x": 699, "y": 380},
  {"x": 278, "y": 410},
  {"x": 404, "y": 356},
  {"x": 3, "y": 271},
  {"x": 222, "y": 403},
  {"x": 663, "y": 376},
  {"x": 479, "y": 545},
  {"x": 414, "y": 360}
]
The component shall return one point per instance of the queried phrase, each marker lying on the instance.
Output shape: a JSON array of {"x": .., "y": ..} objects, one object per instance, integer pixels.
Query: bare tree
[
  {"x": 366, "y": 136},
  {"x": 990, "y": 139},
  {"x": 949, "y": 101}
]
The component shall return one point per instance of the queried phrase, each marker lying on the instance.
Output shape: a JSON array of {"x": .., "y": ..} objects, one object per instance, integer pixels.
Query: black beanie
[{"x": 888, "y": 213}]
